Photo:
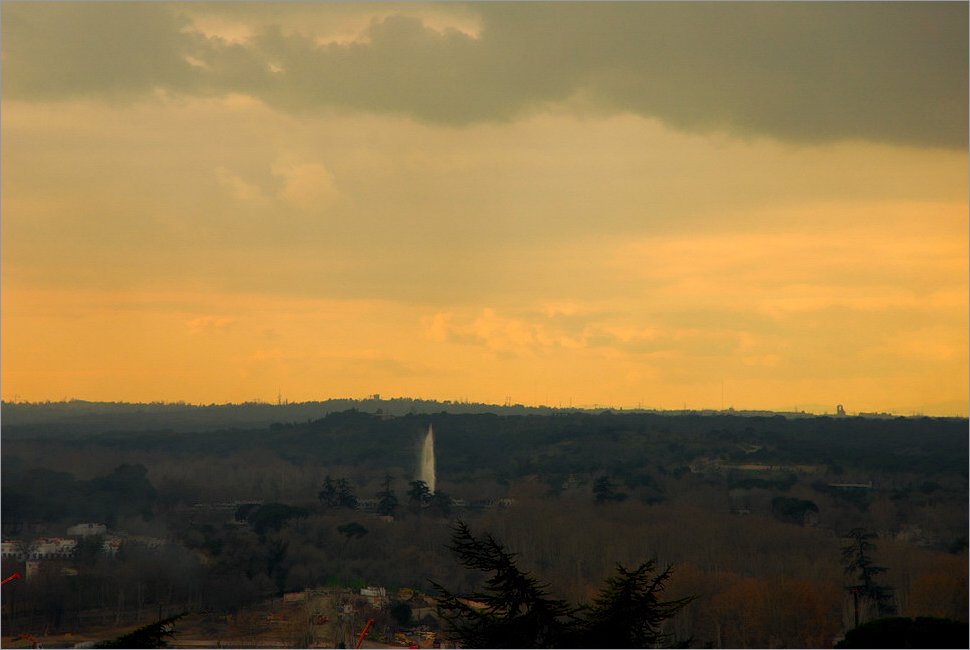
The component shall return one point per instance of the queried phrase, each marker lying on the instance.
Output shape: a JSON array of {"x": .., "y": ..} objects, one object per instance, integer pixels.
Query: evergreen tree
[
  {"x": 604, "y": 490},
  {"x": 148, "y": 636},
  {"x": 628, "y": 612},
  {"x": 345, "y": 495},
  {"x": 515, "y": 610},
  {"x": 328, "y": 495},
  {"x": 440, "y": 504},
  {"x": 386, "y": 501},
  {"x": 419, "y": 495},
  {"x": 858, "y": 563}
]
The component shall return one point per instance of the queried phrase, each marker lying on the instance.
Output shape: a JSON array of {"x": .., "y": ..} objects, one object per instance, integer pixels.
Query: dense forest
[{"x": 217, "y": 508}]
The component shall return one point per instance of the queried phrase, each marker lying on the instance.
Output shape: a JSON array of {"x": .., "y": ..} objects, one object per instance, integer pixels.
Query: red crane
[
  {"x": 12, "y": 576},
  {"x": 360, "y": 640}
]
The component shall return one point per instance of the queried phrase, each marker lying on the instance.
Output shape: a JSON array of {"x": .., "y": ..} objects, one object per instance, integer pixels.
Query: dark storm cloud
[
  {"x": 63, "y": 50},
  {"x": 810, "y": 72}
]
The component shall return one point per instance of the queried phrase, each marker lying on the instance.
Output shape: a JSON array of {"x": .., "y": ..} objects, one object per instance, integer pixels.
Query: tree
[
  {"x": 345, "y": 495},
  {"x": 604, "y": 490},
  {"x": 386, "y": 501},
  {"x": 858, "y": 563},
  {"x": 402, "y": 613},
  {"x": 515, "y": 609},
  {"x": 794, "y": 511},
  {"x": 440, "y": 504},
  {"x": 148, "y": 636},
  {"x": 125, "y": 491},
  {"x": 276, "y": 551},
  {"x": 337, "y": 494},
  {"x": 352, "y": 530},
  {"x": 895, "y": 632},
  {"x": 273, "y": 516},
  {"x": 419, "y": 495},
  {"x": 328, "y": 495},
  {"x": 628, "y": 612}
]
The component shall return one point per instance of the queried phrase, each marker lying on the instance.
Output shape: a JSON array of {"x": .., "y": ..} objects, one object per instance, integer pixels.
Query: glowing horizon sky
[{"x": 617, "y": 204}]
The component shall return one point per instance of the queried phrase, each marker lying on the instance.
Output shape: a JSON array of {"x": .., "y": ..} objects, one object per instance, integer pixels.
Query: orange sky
[{"x": 215, "y": 203}]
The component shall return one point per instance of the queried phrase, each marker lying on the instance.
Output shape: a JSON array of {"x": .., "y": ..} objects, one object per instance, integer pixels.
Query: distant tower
[{"x": 839, "y": 411}]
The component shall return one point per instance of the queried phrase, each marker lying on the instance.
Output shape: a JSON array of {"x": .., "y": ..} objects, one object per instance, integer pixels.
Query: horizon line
[{"x": 594, "y": 406}]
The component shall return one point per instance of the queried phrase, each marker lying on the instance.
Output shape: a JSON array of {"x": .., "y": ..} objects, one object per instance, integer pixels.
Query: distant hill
[{"x": 80, "y": 417}]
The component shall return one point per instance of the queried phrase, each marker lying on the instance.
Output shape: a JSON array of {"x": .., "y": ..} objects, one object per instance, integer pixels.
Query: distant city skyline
[{"x": 751, "y": 205}]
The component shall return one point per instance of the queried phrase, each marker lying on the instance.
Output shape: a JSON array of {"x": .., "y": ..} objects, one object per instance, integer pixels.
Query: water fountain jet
[{"x": 426, "y": 468}]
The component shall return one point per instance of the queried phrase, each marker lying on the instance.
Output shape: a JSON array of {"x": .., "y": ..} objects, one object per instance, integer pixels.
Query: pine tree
[
  {"x": 345, "y": 495},
  {"x": 328, "y": 495},
  {"x": 604, "y": 491},
  {"x": 148, "y": 636},
  {"x": 419, "y": 495},
  {"x": 858, "y": 563},
  {"x": 386, "y": 501},
  {"x": 628, "y": 612},
  {"x": 515, "y": 609}
]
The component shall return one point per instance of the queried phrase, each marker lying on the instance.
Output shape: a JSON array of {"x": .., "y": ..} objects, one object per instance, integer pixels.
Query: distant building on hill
[{"x": 84, "y": 530}]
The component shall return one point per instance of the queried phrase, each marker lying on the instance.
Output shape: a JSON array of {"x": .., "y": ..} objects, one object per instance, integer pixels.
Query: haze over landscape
[
  {"x": 760, "y": 206},
  {"x": 484, "y": 325}
]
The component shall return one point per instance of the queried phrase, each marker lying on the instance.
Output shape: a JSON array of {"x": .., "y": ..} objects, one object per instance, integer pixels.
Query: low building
[
  {"x": 367, "y": 505},
  {"x": 8, "y": 550},
  {"x": 42, "y": 548},
  {"x": 376, "y": 596}
]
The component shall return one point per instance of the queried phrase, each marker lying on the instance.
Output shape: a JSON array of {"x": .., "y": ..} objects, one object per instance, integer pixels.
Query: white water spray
[{"x": 427, "y": 460}]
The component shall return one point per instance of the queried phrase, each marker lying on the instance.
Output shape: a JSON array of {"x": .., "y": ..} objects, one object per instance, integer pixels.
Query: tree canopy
[{"x": 516, "y": 610}]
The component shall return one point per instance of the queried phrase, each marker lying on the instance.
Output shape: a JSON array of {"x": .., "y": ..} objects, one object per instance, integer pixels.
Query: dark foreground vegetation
[
  {"x": 515, "y": 610},
  {"x": 785, "y": 531}
]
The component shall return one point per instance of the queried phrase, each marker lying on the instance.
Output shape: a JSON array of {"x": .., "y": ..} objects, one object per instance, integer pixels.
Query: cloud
[
  {"x": 510, "y": 335},
  {"x": 804, "y": 72},
  {"x": 602, "y": 333},
  {"x": 237, "y": 187},
  {"x": 82, "y": 50},
  {"x": 210, "y": 324},
  {"x": 306, "y": 185}
]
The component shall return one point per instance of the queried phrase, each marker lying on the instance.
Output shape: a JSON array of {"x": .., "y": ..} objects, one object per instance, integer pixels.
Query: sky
[{"x": 657, "y": 205}]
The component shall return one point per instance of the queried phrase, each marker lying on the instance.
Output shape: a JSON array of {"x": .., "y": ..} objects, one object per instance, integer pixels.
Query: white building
[
  {"x": 376, "y": 596},
  {"x": 84, "y": 530},
  {"x": 42, "y": 548}
]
